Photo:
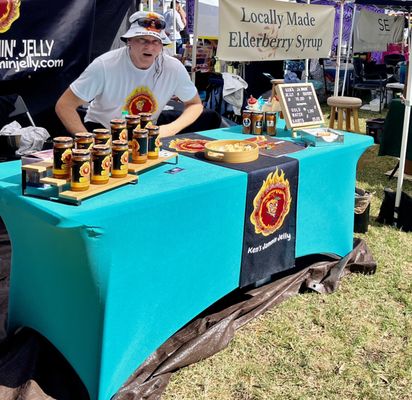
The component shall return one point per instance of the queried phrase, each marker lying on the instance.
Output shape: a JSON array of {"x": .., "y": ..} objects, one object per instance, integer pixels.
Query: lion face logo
[
  {"x": 271, "y": 205},
  {"x": 9, "y": 12}
]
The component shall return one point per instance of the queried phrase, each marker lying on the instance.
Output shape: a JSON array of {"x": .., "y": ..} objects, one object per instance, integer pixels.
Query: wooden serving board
[
  {"x": 97, "y": 189},
  {"x": 164, "y": 155},
  {"x": 74, "y": 197}
]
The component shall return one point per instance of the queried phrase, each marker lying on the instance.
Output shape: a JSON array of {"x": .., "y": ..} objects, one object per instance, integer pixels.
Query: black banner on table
[{"x": 270, "y": 216}]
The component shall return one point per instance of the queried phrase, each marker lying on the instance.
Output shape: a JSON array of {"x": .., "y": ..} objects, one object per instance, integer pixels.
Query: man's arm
[
  {"x": 191, "y": 112},
  {"x": 66, "y": 110}
]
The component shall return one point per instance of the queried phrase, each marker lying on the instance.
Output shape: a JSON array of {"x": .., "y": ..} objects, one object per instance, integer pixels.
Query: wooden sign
[{"x": 300, "y": 105}]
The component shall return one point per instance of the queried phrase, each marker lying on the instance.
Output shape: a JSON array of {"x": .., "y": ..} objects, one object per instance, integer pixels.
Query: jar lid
[
  {"x": 152, "y": 128},
  {"x": 270, "y": 112},
  {"x": 139, "y": 131},
  {"x": 257, "y": 112},
  {"x": 132, "y": 116},
  {"x": 63, "y": 139},
  {"x": 145, "y": 115},
  {"x": 100, "y": 131},
  {"x": 101, "y": 148},
  {"x": 120, "y": 143},
  {"x": 117, "y": 121},
  {"x": 83, "y": 135},
  {"x": 81, "y": 152}
]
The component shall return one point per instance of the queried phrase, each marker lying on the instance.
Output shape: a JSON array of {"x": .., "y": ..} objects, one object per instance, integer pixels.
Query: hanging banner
[
  {"x": 46, "y": 44},
  {"x": 374, "y": 31},
  {"x": 272, "y": 30}
]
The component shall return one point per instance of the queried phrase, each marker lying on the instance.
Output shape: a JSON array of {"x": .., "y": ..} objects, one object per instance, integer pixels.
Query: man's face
[{"x": 144, "y": 50}]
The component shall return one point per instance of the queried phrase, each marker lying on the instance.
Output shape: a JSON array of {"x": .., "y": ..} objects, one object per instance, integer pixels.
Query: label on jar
[
  {"x": 120, "y": 162},
  {"x": 80, "y": 175},
  {"x": 101, "y": 168},
  {"x": 119, "y": 133},
  {"x": 61, "y": 162}
]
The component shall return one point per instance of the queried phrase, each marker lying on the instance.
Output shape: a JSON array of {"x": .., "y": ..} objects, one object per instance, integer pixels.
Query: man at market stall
[{"x": 136, "y": 78}]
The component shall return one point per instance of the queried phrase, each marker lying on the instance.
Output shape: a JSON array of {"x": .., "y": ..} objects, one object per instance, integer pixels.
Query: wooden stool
[{"x": 340, "y": 104}]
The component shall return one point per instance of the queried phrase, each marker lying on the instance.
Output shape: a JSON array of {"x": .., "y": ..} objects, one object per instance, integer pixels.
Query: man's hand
[{"x": 192, "y": 110}]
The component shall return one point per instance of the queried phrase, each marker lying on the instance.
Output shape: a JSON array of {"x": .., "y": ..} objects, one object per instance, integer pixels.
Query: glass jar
[
  {"x": 257, "y": 122},
  {"x": 62, "y": 154},
  {"x": 132, "y": 123},
  {"x": 101, "y": 163},
  {"x": 153, "y": 146},
  {"x": 120, "y": 158},
  {"x": 84, "y": 140},
  {"x": 102, "y": 136},
  {"x": 118, "y": 129},
  {"x": 145, "y": 120},
  {"x": 80, "y": 170},
  {"x": 246, "y": 121},
  {"x": 139, "y": 146},
  {"x": 270, "y": 117}
]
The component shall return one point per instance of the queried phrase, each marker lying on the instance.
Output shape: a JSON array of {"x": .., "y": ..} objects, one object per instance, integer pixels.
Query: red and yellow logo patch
[
  {"x": 140, "y": 100},
  {"x": 188, "y": 145},
  {"x": 9, "y": 12},
  {"x": 271, "y": 204}
]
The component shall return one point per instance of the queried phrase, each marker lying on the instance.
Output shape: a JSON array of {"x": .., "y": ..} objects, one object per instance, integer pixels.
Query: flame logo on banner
[
  {"x": 188, "y": 145},
  {"x": 9, "y": 12},
  {"x": 140, "y": 100},
  {"x": 271, "y": 204}
]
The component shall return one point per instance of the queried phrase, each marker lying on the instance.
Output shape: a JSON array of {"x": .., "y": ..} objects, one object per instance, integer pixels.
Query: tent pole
[
  {"x": 405, "y": 132},
  {"x": 336, "y": 88},
  {"x": 348, "y": 49},
  {"x": 307, "y": 60},
  {"x": 174, "y": 27},
  {"x": 195, "y": 37}
]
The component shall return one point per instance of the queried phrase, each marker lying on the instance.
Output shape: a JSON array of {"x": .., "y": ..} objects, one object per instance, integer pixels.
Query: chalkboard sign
[{"x": 299, "y": 104}]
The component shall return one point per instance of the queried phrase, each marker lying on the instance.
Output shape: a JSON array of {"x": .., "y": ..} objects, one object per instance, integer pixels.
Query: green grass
[{"x": 352, "y": 344}]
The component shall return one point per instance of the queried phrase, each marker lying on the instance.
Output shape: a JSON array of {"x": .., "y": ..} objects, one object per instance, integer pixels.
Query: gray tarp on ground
[{"x": 32, "y": 369}]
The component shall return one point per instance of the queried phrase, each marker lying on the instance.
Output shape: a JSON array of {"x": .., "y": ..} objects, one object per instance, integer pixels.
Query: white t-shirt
[
  {"x": 112, "y": 83},
  {"x": 169, "y": 24}
]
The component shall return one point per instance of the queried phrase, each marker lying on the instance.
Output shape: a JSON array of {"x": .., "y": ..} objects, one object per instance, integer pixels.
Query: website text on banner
[
  {"x": 374, "y": 31},
  {"x": 272, "y": 30}
]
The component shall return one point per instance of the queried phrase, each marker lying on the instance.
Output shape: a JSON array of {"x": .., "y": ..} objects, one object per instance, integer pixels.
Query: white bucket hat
[{"x": 146, "y": 23}]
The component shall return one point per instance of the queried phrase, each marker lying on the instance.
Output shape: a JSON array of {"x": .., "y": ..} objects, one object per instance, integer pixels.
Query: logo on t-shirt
[{"x": 141, "y": 100}]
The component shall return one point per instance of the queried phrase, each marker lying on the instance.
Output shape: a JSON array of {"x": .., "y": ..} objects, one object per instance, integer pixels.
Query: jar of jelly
[
  {"x": 132, "y": 123},
  {"x": 257, "y": 122},
  {"x": 101, "y": 163},
  {"x": 118, "y": 129},
  {"x": 102, "y": 136},
  {"x": 84, "y": 140},
  {"x": 145, "y": 120},
  {"x": 246, "y": 121},
  {"x": 153, "y": 146},
  {"x": 139, "y": 146},
  {"x": 62, "y": 154},
  {"x": 120, "y": 158},
  {"x": 270, "y": 117},
  {"x": 80, "y": 170}
]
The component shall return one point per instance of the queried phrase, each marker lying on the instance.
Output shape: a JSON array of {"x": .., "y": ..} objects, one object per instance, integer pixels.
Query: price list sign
[{"x": 299, "y": 104}]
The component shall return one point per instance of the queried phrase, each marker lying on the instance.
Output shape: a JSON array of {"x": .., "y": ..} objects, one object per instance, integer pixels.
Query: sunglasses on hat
[{"x": 151, "y": 23}]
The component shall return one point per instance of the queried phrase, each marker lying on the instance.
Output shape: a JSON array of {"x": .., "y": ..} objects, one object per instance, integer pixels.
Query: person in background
[
  {"x": 136, "y": 78},
  {"x": 180, "y": 18}
]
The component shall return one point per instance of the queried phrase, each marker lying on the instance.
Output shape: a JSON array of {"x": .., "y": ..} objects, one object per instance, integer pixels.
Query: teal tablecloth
[{"x": 109, "y": 281}]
